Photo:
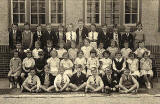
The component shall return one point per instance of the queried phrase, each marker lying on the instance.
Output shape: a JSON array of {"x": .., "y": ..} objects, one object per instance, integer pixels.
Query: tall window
[
  {"x": 56, "y": 11},
  {"x": 37, "y": 12},
  {"x": 112, "y": 12},
  {"x": 93, "y": 11},
  {"x": 18, "y": 11},
  {"x": 131, "y": 11}
]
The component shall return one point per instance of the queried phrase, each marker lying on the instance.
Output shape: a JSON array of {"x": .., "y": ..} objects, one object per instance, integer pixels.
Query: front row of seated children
[{"x": 92, "y": 75}]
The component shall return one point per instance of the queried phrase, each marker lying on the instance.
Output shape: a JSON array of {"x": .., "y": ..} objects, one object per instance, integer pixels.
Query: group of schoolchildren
[{"x": 81, "y": 60}]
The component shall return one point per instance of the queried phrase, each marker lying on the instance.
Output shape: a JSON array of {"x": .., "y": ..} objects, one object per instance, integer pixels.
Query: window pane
[
  {"x": 41, "y": 7},
  {"x": 127, "y": 18},
  {"x": 134, "y": 18},
  {"x": 22, "y": 7},
  {"x": 53, "y": 7},
  {"x": 15, "y": 18},
  {"x": 42, "y": 19},
  {"x": 134, "y": 6},
  {"x": 53, "y": 18},
  {"x": 15, "y": 7},
  {"x": 22, "y": 18},
  {"x": 34, "y": 7},
  {"x": 34, "y": 19},
  {"x": 60, "y": 18},
  {"x": 60, "y": 7},
  {"x": 127, "y": 7}
]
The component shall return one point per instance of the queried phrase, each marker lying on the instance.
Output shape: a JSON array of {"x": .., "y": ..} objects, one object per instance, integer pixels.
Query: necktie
[
  {"x": 92, "y": 35},
  {"x": 62, "y": 80},
  {"x": 95, "y": 81},
  {"x": 71, "y": 36},
  {"x": 109, "y": 78}
]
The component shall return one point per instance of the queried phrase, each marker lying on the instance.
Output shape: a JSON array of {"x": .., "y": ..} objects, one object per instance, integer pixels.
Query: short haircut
[
  {"x": 118, "y": 52},
  {"x": 93, "y": 51},
  {"x": 26, "y": 24},
  {"x": 38, "y": 42},
  {"x": 65, "y": 53},
  {"x": 80, "y": 51},
  {"x": 106, "y": 52},
  {"x": 93, "y": 25},
  {"x": 132, "y": 54},
  {"x": 15, "y": 24},
  {"x": 87, "y": 40},
  {"x": 79, "y": 66},
  {"x": 146, "y": 53},
  {"x": 49, "y": 42},
  {"x": 54, "y": 51}
]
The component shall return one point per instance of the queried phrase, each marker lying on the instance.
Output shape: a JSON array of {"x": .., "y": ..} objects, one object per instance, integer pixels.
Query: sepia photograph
[{"x": 79, "y": 51}]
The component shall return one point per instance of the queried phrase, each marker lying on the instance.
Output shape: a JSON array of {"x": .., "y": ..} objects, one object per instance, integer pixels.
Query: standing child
[
  {"x": 128, "y": 37},
  {"x": 128, "y": 84},
  {"x": 73, "y": 51},
  {"x": 125, "y": 51},
  {"x": 39, "y": 36},
  {"x": 14, "y": 36},
  {"x": 146, "y": 69},
  {"x": 20, "y": 50},
  {"x": 80, "y": 60},
  {"x": 28, "y": 63},
  {"x": 40, "y": 63},
  {"x": 93, "y": 36},
  {"x": 61, "y": 34},
  {"x": 93, "y": 61},
  {"x": 53, "y": 63},
  {"x": 100, "y": 50},
  {"x": 47, "y": 80},
  {"x": 36, "y": 50},
  {"x": 118, "y": 65},
  {"x": 110, "y": 83},
  {"x": 32, "y": 82},
  {"x": 48, "y": 49},
  {"x": 27, "y": 37},
  {"x": 82, "y": 33},
  {"x": 113, "y": 49},
  {"x": 94, "y": 82},
  {"x": 50, "y": 35},
  {"x": 15, "y": 70},
  {"x": 133, "y": 65},
  {"x": 140, "y": 51},
  {"x": 116, "y": 36},
  {"x": 105, "y": 63},
  {"x": 66, "y": 64},
  {"x": 70, "y": 35},
  {"x": 61, "y": 50},
  {"x": 78, "y": 80},
  {"x": 61, "y": 81},
  {"x": 86, "y": 48}
]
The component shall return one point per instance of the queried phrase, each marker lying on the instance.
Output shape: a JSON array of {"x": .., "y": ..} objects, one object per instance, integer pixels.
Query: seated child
[
  {"x": 118, "y": 65},
  {"x": 133, "y": 65},
  {"x": 27, "y": 64},
  {"x": 61, "y": 50},
  {"x": 105, "y": 62},
  {"x": 94, "y": 82},
  {"x": 125, "y": 51},
  {"x": 36, "y": 50},
  {"x": 146, "y": 69},
  {"x": 78, "y": 80},
  {"x": 140, "y": 51},
  {"x": 128, "y": 84},
  {"x": 100, "y": 50},
  {"x": 93, "y": 61},
  {"x": 47, "y": 80},
  {"x": 80, "y": 60},
  {"x": 40, "y": 63},
  {"x": 66, "y": 64},
  {"x": 86, "y": 48},
  {"x": 113, "y": 49},
  {"x": 48, "y": 49},
  {"x": 73, "y": 51},
  {"x": 53, "y": 63},
  {"x": 15, "y": 70},
  {"x": 32, "y": 82},
  {"x": 110, "y": 83},
  {"x": 61, "y": 81}
]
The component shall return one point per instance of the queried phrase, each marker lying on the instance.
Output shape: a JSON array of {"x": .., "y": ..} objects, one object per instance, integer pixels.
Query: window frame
[
  {"x": 138, "y": 14},
  {"x": 11, "y": 12},
  {"x": 30, "y": 14},
  {"x": 100, "y": 13},
  {"x": 64, "y": 14}
]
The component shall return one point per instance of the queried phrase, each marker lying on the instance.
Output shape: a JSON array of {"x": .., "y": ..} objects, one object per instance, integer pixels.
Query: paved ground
[{"x": 144, "y": 96}]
